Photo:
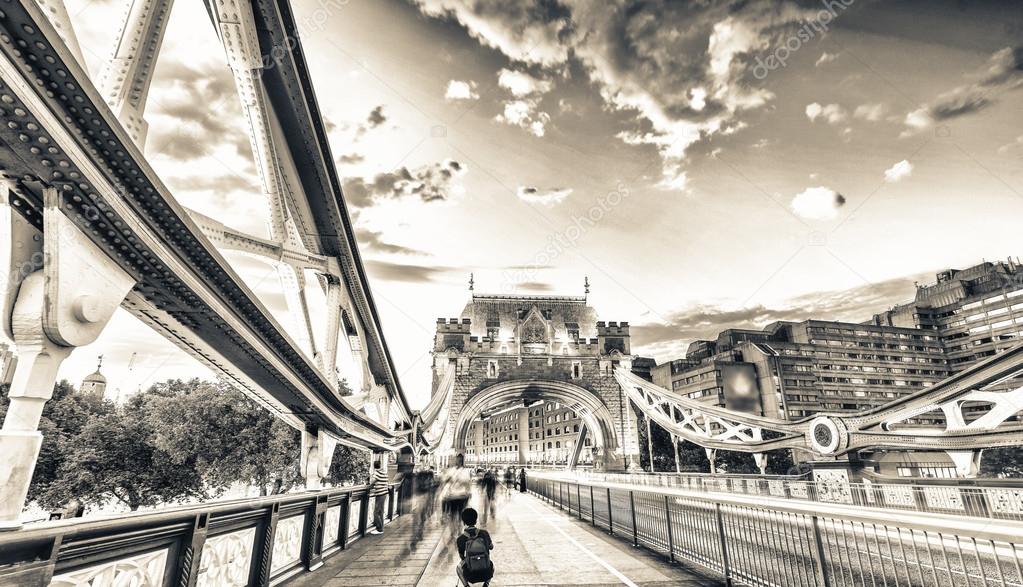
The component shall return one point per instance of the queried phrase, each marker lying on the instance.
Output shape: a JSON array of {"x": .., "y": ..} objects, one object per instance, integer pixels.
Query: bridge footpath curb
[{"x": 377, "y": 560}]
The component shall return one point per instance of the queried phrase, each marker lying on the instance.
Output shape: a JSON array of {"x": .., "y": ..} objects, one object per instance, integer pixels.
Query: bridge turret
[{"x": 613, "y": 336}]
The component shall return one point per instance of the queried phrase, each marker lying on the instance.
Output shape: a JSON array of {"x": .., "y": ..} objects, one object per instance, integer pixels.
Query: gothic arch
[{"x": 597, "y": 416}]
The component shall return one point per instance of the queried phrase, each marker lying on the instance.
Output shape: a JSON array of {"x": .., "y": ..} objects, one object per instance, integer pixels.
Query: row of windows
[{"x": 816, "y": 330}]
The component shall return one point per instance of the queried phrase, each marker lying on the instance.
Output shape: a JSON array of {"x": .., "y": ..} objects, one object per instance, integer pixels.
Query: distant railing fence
[
  {"x": 261, "y": 541},
  {"x": 772, "y": 546},
  {"x": 987, "y": 498}
]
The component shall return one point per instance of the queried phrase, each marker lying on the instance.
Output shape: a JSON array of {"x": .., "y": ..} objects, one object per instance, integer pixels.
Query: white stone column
[{"x": 59, "y": 296}]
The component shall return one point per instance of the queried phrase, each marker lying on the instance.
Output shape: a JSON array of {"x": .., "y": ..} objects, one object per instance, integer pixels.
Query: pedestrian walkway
[{"x": 534, "y": 544}]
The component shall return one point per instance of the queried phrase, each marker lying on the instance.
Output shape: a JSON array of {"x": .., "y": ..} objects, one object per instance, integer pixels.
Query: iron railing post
[
  {"x": 822, "y": 570},
  {"x": 724, "y": 548},
  {"x": 610, "y": 523},
  {"x": 314, "y": 533},
  {"x": 671, "y": 538},
  {"x": 346, "y": 511},
  {"x": 632, "y": 506},
  {"x": 190, "y": 554},
  {"x": 266, "y": 549},
  {"x": 593, "y": 509}
]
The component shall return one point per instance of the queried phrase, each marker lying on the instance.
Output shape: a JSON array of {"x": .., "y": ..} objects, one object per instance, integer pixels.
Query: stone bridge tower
[{"x": 517, "y": 351}]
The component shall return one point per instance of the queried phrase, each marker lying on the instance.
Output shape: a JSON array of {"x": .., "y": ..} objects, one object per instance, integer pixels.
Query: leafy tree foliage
[
  {"x": 350, "y": 466},
  {"x": 1005, "y": 463},
  {"x": 227, "y": 437},
  {"x": 113, "y": 456}
]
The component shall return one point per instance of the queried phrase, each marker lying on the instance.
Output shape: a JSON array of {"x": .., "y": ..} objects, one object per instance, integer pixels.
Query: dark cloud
[
  {"x": 705, "y": 322},
  {"x": 372, "y": 241},
  {"x": 1004, "y": 71},
  {"x": 351, "y": 158},
  {"x": 959, "y": 105},
  {"x": 429, "y": 183},
  {"x": 376, "y": 117},
  {"x": 219, "y": 183},
  {"x": 387, "y": 271},
  {"x": 534, "y": 286},
  {"x": 201, "y": 101}
]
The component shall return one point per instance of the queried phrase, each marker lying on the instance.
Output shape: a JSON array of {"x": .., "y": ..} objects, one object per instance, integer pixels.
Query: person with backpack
[{"x": 474, "y": 546}]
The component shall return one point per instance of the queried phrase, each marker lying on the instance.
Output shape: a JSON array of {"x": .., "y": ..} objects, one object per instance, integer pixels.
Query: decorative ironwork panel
[
  {"x": 287, "y": 542},
  {"x": 898, "y": 495},
  {"x": 776, "y": 488},
  {"x": 798, "y": 489},
  {"x": 944, "y": 498},
  {"x": 332, "y": 531},
  {"x": 833, "y": 486},
  {"x": 227, "y": 559},
  {"x": 354, "y": 513},
  {"x": 1005, "y": 501},
  {"x": 141, "y": 570}
]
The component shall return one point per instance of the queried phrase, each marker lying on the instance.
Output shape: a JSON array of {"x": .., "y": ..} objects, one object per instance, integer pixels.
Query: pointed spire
[
  {"x": 471, "y": 282},
  {"x": 586, "y": 285},
  {"x": 99, "y": 363}
]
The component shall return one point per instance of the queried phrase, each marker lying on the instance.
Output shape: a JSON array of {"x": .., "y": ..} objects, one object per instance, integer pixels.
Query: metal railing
[
  {"x": 261, "y": 541},
  {"x": 983, "y": 498},
  {"x": 792, "y": 544}
]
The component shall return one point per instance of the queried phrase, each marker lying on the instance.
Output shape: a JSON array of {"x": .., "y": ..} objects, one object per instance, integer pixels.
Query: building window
[
  {"x": 492, "y": 369},
  {"x": 577, "y": 370}
]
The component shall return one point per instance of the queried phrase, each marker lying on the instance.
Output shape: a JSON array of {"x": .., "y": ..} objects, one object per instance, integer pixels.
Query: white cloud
[
  {"x": 825, "y": 58},
  {"x": 544, "y": 198},
  {"x": 524, "y": 114},
  {"x": 524, "y": 111},
  {"x": 871, "y": 112},
  {"x": 898, "y": 171},
  {"x": 818, "y": 203},
  {"x": 1010, "y": 146},
  {"x": 461, "y": 90},
  {"x": 832, "y": 113},
  {"x": 522, "y": 84}
]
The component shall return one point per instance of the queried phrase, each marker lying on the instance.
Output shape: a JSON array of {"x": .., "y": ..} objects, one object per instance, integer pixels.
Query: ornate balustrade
[{"x": 261, "y": 541}]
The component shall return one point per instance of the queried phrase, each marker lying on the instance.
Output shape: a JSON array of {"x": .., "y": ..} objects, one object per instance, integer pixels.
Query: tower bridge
[
  {"x": 87, "y": 226},
  {"x": 509, "y": 350}
]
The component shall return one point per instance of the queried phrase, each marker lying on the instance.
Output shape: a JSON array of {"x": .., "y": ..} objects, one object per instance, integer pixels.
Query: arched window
[
  {"x": 575, "y": 428},
  {"x": 557, "y": 445},
  {"x": 549, "y": 445}
]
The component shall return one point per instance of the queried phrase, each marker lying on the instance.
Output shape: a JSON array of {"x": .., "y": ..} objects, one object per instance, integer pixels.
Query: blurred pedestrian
[{"x": 378, "y": 491}]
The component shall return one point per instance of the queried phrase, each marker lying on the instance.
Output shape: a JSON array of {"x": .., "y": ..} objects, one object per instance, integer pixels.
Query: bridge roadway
[{"x": 534, "y": 544}]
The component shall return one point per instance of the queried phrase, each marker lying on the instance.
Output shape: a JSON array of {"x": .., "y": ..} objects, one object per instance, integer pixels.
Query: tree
[
  {"x": 1006, "y": 463},
  {"x": 113, "y": 456},
  {"x": 228, "y": 437},
  {"x": 350, "y": 466}
]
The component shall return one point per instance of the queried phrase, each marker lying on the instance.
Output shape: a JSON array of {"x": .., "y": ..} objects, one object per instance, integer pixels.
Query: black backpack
[{"x": 477, "y": 555}]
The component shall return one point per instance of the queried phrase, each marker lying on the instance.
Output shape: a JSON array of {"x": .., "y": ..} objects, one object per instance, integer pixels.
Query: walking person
[
  {"x": 378, "y": 491},
  {"x": 455, "y": 493},
  {"x": 522, "y": 480}
]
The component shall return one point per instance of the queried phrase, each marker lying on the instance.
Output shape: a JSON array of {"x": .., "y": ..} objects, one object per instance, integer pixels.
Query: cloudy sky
[{"x": 705, "y": 164}]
